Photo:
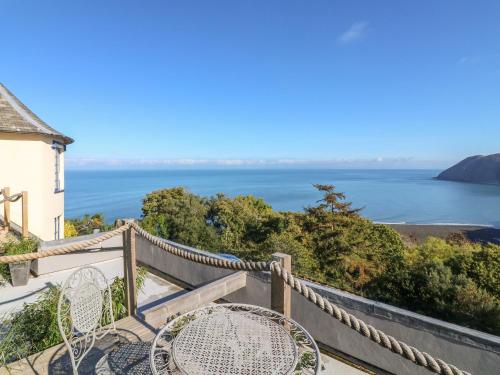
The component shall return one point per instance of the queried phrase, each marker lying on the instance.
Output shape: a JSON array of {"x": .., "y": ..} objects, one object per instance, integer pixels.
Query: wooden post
[
  {"x": 281, "y": 293},
  {"x": 6, "y": 208},
  {"x": 25, "y": 214},
  {"x": 119, "y": 223},
  {"x": 130, "y": 271}
]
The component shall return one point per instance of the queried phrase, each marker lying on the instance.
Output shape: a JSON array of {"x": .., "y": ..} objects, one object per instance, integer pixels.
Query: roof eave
[{"x": 65, "y": 139}]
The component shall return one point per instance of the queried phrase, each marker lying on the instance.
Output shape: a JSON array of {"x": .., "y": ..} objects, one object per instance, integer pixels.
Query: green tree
[
  {"x": 352, "y": 251},
  {"x": 180, "y": 216},
  {"x": 291, "y": 239},
  {"x": 242, "y": 223},
  {"x": 334, "y": 201},
  {"x": 485, "y": 268},
  {"x": 439, "y": 278}
]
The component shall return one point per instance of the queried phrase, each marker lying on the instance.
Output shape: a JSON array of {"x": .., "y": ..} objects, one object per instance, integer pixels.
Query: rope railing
[
  {"x": 201, "y": 258},
  {"x": 69, "y": 248},
  {"x": 13, "y": 198},
  {"x": 6, "y": 201},
  {"x": 408, "y": 352}
]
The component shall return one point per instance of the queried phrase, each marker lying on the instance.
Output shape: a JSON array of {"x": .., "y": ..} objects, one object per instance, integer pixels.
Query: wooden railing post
[
  {"x": 281, "y": 293},
  {"x": 130, "y": 271},
  {"x": 25, "y": 214},
  {"x": 6, "y": 208},
  {"x": 126, "y": 252}
]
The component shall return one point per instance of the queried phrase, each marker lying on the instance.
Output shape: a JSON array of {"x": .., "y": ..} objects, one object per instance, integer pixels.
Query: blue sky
[{"x": 259, "y": 83}]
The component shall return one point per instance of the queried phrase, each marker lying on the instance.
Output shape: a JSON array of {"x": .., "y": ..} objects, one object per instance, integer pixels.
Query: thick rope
[
  {"x": 200, "y": 258},
  {"x": 12, "y": 198},
  {"x": 64, "y": 249}
]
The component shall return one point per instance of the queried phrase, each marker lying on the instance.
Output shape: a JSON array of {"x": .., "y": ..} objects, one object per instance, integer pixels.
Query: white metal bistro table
[{"x": 234, "y": 339}]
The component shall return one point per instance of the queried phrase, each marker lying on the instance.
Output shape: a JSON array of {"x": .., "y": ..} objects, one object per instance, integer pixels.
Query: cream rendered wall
[{"x": 27, "y": 162}]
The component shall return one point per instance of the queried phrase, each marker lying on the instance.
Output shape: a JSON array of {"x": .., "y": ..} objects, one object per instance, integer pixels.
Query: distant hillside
[{"x": 478, "y": 169}]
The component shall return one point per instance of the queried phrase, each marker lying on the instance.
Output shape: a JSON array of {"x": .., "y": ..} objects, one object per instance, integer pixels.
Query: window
[
  {"x": 58, "y": 148},
  {"x": 57, "y": 228}
]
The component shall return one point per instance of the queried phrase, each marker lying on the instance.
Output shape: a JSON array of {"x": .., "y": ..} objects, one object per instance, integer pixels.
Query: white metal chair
[{"x": 84, "y": 312}]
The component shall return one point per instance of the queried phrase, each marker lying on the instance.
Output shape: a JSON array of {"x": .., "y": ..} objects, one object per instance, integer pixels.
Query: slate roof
[{"x": 15, "y": 117}]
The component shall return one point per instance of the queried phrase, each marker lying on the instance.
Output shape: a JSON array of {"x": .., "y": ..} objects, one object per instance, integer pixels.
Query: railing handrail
[
  {"x": 8, "y": 199},
  {"x": 12, "y": 198},
  {"x": 68, "y": 248}
]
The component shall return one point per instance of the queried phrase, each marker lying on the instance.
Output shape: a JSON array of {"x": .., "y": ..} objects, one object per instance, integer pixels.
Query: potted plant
[{"x": 20, "y": 271}]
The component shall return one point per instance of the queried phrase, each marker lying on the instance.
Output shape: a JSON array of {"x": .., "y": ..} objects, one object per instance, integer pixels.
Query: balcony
[{"x": 175, "y": 284}]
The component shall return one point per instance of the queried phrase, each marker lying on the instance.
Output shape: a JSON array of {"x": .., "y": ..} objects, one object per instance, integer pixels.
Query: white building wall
[{"x": 27, "y": 163}]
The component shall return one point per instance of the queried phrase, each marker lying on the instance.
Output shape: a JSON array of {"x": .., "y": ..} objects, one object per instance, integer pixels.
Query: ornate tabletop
[{"x": 234, "y": 339}]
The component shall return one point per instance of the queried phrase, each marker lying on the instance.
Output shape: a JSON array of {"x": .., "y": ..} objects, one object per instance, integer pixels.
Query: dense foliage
[
  {"x": 34, "y": 328},
  {"x": 15, "y": 247},
  {"x": 332, "y": 243},
  {"x": 85, "y": 225}
]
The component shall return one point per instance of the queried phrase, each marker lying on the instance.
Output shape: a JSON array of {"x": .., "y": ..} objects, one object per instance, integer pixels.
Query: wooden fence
[{"x": 7, "y": 200}]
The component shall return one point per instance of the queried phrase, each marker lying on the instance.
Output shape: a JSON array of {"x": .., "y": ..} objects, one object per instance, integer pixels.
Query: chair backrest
[{"x": 84, "y": 312}]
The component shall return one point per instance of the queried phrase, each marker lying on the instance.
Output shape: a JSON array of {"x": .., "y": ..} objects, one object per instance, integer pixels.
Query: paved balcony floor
[{"x": 129, "y": 354}]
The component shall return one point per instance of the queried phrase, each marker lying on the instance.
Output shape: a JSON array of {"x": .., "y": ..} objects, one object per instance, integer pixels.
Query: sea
[{"x": 388, "y": 196}]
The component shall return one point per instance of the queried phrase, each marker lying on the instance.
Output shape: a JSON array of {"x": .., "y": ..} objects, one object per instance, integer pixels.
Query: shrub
[
  {"x": 15, "y": 247},
  {"x": 457, "y": 283},
  {"x": 86, "y": 225},
  {"x": 22, "y": 246},
  {"x": 69, "y": 229},
  {"x": 32, "y": 329}
]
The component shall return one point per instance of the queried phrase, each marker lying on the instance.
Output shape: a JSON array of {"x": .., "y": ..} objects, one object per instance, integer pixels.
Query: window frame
[
  {"x": 58, "y": 148},
  {"x": 57, "y": 227}
]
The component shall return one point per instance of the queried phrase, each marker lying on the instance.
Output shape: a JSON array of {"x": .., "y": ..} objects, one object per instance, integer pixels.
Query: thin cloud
[
  {"x": 467, "y": 60},
  {"x": 376, "y": 162},
  {"x": 355, "y": 32}
]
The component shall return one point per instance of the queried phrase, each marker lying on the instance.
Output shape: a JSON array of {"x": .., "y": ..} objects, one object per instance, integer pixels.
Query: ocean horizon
[{"x": 405, "y": 196}]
